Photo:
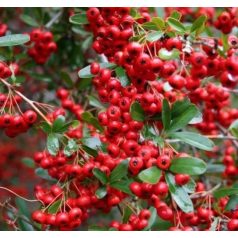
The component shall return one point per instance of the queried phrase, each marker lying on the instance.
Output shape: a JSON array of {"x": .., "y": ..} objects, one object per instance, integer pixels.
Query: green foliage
[
  {"x": 15, "y": 39},
  {"x": 136, "y": 111},
  {"x": 151, "y": 175},
  {"x": 188, "y": 165}
]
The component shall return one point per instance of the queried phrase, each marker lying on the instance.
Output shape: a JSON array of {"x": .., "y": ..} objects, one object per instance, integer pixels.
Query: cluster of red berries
[
  {"x": 43, "y": 45},
  {"x": 3, "y": 29},
  {"x": 227, "y": 20},
  {"x": 135, "y": 222},
  {"x": 231, "y": 169},
  {"x": 14, "y": 124},
  {"x": 69, "y": 104}
]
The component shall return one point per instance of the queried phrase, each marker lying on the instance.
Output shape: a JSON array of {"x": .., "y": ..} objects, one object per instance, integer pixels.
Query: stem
[
  {"x": 28, "y": 200},
  {"x": 30, "y": 102}
]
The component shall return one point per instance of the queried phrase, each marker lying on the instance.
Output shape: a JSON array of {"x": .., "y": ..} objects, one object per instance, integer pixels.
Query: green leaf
[
  {"x": 79, "y": 19},
  {"x": 179, "y": 107},
  {"x": 151, "y": 175},
  {"x": 23, "y": 208},
  {"x": 28, "y": 162},
  {"x": 232, "y": 203},
  {"x": 92, "y": 142},
  {"x": 134, "y": 13},
  {"x": 179, "y": 195},
  {"x": 215, "y": 168},
  {"x": 58, "y": 124},
  {"x": 152, "y": 219},
  {"x": 119, "y": 172},
  {"x": 29, "y": 20},
  {"x": 176, "y": 25},
  {"x": 188, "y": 165},
  {"x": 136, "y": 111},
  {"x": 151, "y": 26},
  {"x": 183, "y": 119},
  {"x": 15, "y": 39},
  {"x": 52, "y": 144},
  {"x": 198, "y": 23},
  {"x": 123, "y": 185},
  {"x": 54, "y": 207},
  {"x": 71, "y": 147},
  {"x": 154, "y": 36},
  {"x": 46, "y": 127},
  {"x": 194, "y": 139},
  {"x": 190, "y": 186},
  {"x": 176, "y": 15},
  {"x": 93, "y": 101},
  {"x": 166, "y": 114},
  {"x": 42, "y": 173},
  {"x": 159, "y": 22},
  {"x": 67, "y": 79},
  {"x": 122, "y": 76},
  {"x": 126, "y": 214},
  {"x": 84, "y": 83},
  {"x": 234, "y": 128},
  {"x": 89, "y": 118},
  {"x": 85, "y": 72},
  {"x": 223, "y": 192},
  {"x": 101, "y": 176},
  {"x": 89, "y": 150},
  {"x": 169, "y": 55},
  {"x": 101, "y": 192}
]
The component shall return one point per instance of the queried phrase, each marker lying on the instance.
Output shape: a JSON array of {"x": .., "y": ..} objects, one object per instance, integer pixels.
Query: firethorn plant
[{"x": 145, "y": 138}]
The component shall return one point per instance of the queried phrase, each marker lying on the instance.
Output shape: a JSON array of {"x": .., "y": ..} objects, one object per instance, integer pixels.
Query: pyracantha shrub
[{"x": 136, "y": 114}]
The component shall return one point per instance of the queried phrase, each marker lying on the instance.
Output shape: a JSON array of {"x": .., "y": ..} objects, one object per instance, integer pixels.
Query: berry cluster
[
  {"x": 135, "y": 222},
  {"x": 43, "y": 45}
]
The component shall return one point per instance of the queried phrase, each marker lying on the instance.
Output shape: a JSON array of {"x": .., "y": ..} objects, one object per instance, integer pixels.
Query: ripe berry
[{"x": 163, "y": 162}]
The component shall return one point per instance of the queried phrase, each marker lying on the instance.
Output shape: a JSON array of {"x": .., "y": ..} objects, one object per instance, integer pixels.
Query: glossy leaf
[
  {"x": 183, "y": 119},
  {"x": 234, "y": 128},
  {"x": 15, "y": 39},
  {"x": 122, "y": 76},
  {"x": 93, "y": 101},
  {"x": 179, "y": 195},
  {"x": 101, "y": 192},
  {"x": 188, "y": 165},
  {"x": 79, "y": 19},
  {"x": 194, "y": 139},
  {"x": 54, "y": 207},
  {"x": 223, "y": 192},
  {"x": 119, "y": 171},
  {"x": 168, "y": 55},
  {"x": 123, "y": 185},
  {"x": 154, "y": 36},
  {"x": 176, "y": 25},
  {"x": 71, "y": 147},
  {"x": 28, "y": 162},
  {"x": 29, "y": 20},
  {"x": 89, "y": 118},
  {"x": 151, "y": 175},
  {"x": 52, "y": 144},
  {"x": 101, "y": 176},
  {"x": 136, "y": 111},
  {"x": 198, "y": 23}
]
